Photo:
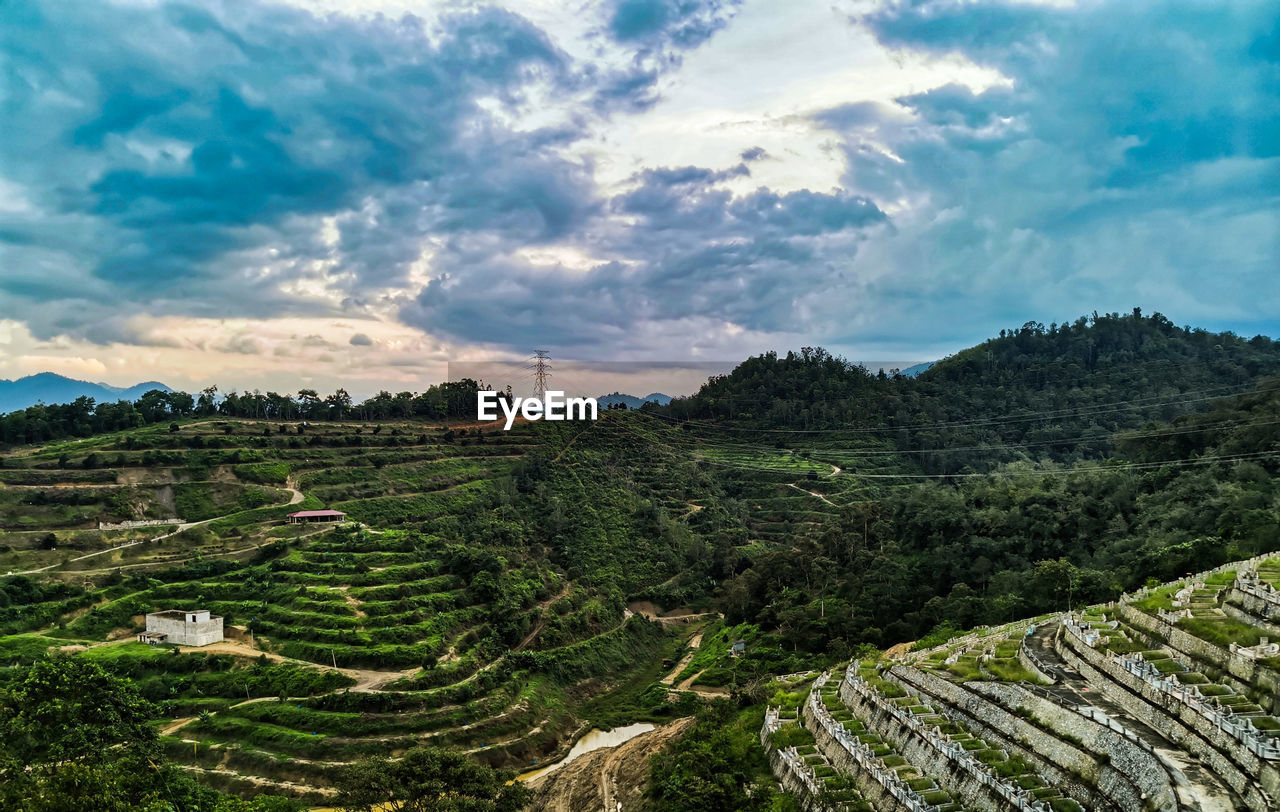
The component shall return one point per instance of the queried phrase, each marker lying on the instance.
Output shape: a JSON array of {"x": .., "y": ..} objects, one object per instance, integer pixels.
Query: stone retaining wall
[
  {"x": 1264, "y": 600},
  {"x": 1076, "y": 772},
  {"x": 1248, "y": 672},
  {"x": 130, "y": 525},
  {"x": 1028, "y": 661},
  {"x": 1184, "y": 727},
  {"x": 1261, "y": 610},
  {"x": 872, "y": 790},
  {"x": 1130, "y": 773},
  {"x": 1244, "y": 616},
  {"x": 792, "y": 773},
  {"x": 963, "y": 785},
  {"x": 792, "y": 781}
]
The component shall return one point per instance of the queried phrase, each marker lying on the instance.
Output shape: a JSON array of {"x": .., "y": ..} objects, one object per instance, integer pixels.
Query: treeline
[
  {"x": 84, "y": 417},
  {"x": 1057, "y": 392}
]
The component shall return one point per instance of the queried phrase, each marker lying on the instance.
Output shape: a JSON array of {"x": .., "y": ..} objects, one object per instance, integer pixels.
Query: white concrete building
[{"x": 183, "y": 628}]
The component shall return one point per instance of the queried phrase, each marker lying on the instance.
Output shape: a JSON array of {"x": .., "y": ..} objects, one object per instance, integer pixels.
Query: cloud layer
[
  {"x": 253, "y": 160},
  {"x": 1133, "y": 158}
]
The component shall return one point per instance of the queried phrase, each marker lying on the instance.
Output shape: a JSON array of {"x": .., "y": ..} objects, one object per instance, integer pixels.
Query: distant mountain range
[
  {"x": 631, "y": 401},
  {"x": 912, "y": 372},
  {"x": 49, "y": 387}
]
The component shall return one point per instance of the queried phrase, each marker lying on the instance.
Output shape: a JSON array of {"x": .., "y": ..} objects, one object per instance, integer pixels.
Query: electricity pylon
[{"x": 540, "y": 365}]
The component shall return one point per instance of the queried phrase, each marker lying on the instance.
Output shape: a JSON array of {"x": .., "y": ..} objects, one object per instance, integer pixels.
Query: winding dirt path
[
  {"x": 569, "y": 444},
  {"x": 366, "y": 681},
  {"x": 814, "y": 494},
  {"x": 687, "y": 683},
  {"x": 180, "y": 528},
  {"x": 291, "y": 485},
  {"x": 542, "y": 617},
  {"x": 176, "y": 725},
  {"x": 695, "y": 643},
  {"x": 296, "y": 496}
]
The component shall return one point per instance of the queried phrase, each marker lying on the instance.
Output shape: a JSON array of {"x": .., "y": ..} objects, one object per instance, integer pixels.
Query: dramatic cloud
[
  {"x": 1133, "y": 158},
  {"x": 680, "y": 248},
  {"x": 657, "y": 33},
  {"x": 204, "y": 160},
  {"x": 368, "y": 195}
]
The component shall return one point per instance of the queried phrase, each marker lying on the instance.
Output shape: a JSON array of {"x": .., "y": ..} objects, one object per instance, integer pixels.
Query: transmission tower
[{"x": 540, "y": 366}]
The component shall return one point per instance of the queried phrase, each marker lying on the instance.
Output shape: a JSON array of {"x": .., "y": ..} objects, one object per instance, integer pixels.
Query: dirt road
[
  {"x": 694, "y": 643},
  {"x": 814, "y": 494},
  {"x": 295, "y": 497},
  {"x": 366, "y": 681},
  {"x": 180, "y": 528},
  {"x": 542, "y": 618}
]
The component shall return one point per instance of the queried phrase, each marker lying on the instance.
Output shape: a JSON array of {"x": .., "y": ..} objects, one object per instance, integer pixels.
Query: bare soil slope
[{"x": 611, "y": 779}]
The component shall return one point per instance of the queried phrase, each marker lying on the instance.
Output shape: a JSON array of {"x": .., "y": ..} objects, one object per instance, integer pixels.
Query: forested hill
[
  {"x": 1057, "y": 392},
  {"x": 875, "y": 554}
]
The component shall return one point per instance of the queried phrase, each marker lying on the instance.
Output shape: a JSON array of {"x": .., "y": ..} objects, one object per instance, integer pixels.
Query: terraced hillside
[
  {"x": 1163, "y": 700},
  {"x": 438, "y": 613},
  {"x": 502, "y": 593},
  {"x": 477, "y": 598}
]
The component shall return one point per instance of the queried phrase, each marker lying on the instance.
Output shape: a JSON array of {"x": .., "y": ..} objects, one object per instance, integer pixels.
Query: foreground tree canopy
[{"x": 74, "y": 737}]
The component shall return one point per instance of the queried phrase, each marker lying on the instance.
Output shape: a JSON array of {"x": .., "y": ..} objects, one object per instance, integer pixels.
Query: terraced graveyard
[{"x": 1162, "y": 700}]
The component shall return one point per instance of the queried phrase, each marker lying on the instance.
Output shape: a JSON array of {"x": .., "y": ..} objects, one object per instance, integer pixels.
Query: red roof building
[{"x": 304, "y": 516}]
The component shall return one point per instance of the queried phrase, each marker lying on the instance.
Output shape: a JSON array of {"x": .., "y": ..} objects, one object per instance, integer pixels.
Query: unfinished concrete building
[{"x": 182, "y": 627}]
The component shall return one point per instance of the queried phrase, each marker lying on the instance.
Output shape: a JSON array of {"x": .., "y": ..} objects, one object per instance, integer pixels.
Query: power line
[
  {"x": 1175, "y": 463},
  {"x": 1083, "y": 411},
  {"x": 880, "y": 452},
  {"x": 1128, "y": 466}
]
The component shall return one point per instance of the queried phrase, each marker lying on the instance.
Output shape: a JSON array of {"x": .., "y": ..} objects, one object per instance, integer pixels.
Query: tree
[
  {"x": 1056, "y": 577},
  {"x": 308, "y": 402},
  {"x": 429, "y": 779},
  {"x": 72, "y": 737},
  {"x": 712, "y": 768},
  {"x": 338, "y": 404},
  {"x": 207, "y": 403}
]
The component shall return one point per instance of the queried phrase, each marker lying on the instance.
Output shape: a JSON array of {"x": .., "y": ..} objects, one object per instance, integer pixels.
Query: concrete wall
[
  {"x": 1129, "y": 771},
  {"x": 1238, "y": 768},
  {"x": 1073, "y": 770},
  {"x": 182, "y": 633}
]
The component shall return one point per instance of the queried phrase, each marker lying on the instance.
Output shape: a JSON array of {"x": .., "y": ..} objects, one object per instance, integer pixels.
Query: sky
[{"x": 358, "y": 193}]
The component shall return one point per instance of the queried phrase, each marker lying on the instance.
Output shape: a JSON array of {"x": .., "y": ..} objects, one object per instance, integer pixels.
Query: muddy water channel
[{"x": 591, "y": 740}]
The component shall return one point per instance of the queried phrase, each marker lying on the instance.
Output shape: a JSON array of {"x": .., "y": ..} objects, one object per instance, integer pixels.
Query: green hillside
[
  {"x": 1058, "y": 392},
  {"x": 440, "y": 613},
  {"x": 499, "y": 593}
]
